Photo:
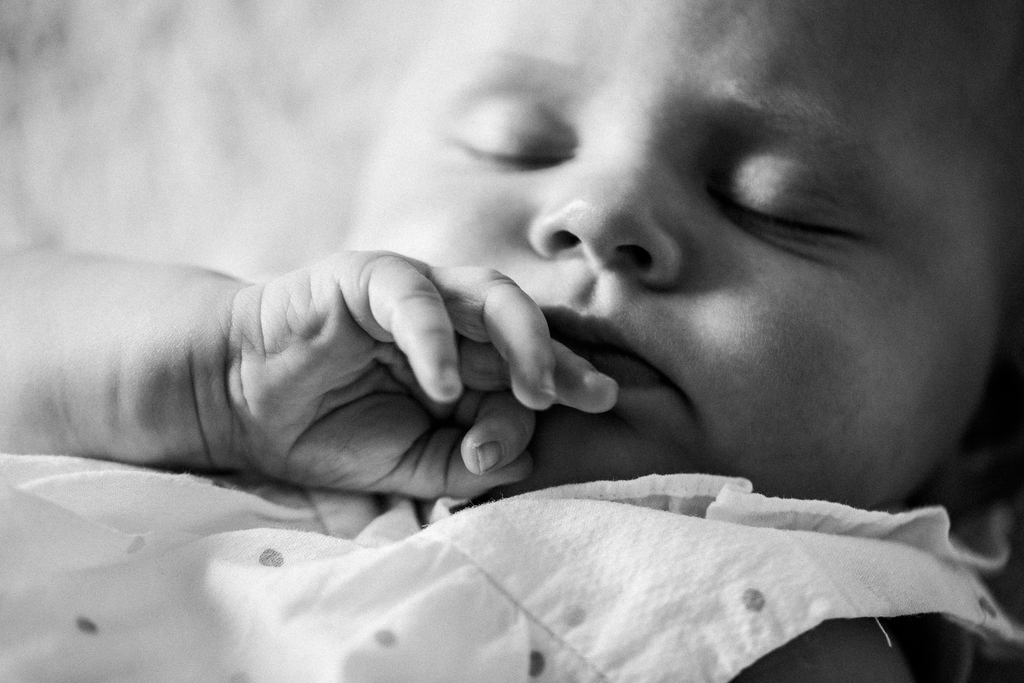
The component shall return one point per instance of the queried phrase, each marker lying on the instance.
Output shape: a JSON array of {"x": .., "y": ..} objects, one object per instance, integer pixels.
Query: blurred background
[{"x": 226, "y": 133}]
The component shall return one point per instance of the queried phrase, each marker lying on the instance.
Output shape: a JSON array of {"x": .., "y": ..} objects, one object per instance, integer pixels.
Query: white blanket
[{"x": 113, "y": 573}]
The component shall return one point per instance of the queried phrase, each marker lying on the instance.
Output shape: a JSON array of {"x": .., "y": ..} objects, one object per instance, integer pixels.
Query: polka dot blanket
[{"x": 115, "y": 573}]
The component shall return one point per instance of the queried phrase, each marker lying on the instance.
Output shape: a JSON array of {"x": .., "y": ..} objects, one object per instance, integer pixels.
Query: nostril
[
  {"x": 636, "y": 255},
  {"x": 562, "y": 240}
]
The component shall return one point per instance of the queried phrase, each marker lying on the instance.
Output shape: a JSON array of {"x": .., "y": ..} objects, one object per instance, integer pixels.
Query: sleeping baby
[{"x": 721, "y": 242}]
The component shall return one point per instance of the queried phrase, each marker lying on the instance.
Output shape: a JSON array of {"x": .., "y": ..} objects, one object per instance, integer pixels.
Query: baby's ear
[{"x": 990, "y": 463}]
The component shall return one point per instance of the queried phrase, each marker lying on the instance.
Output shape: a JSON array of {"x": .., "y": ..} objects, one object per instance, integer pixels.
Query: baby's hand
[{"x": 374, "y": 372}]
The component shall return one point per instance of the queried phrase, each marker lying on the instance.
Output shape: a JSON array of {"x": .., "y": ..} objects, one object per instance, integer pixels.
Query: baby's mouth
[
  {"x": 624, "y": 367},
  {"x": 598, "y": 342}
]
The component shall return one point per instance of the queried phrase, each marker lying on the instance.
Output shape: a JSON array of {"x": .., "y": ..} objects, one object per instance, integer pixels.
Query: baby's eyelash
[
  {"x": 744, "y": 215},
  {"x": 522, "y": 161}
]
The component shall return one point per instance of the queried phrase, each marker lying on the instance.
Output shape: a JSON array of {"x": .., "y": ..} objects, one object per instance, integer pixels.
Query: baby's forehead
[
  {"x": 945, "y": 62},
  {"x": 851, "y": 38},
  {"x": 952, "y": 69}
]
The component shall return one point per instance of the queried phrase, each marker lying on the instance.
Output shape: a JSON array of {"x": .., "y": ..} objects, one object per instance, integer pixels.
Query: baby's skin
[{"x": 366, "y": 371}]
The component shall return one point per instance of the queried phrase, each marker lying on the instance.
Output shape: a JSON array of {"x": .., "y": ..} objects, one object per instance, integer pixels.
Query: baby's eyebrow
[
  {"x": 799, "y": 115},
  {"x": 512, "y": 73},
  {"x": 798, "y": 123}
]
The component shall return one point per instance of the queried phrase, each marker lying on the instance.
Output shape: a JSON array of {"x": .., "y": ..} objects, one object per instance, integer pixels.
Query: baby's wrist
[{"x": 174, "y": 395}]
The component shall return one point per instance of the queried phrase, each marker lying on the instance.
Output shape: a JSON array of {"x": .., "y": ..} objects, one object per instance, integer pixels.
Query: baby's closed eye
[
  {"x": 512, "y": 132},
  {"x": 784, "y": 203}
]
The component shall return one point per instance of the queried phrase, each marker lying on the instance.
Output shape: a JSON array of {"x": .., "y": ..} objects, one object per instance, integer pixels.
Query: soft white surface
[
  {"x": 221, "y": 133},
  {"x": 114, "y": 573}
]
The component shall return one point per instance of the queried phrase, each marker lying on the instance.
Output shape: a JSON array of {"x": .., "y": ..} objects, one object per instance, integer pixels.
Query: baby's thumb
[{"x": 461, "y": 483}]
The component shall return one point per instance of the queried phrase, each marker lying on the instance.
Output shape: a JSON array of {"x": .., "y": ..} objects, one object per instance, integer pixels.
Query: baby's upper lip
[{"x": 605, "y": 346}]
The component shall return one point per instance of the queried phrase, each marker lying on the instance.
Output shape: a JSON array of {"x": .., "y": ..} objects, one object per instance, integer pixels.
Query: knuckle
[
  {"x": 502, "y": 283},
  {"x": 380, "y": 264},
  {"x": 474, "y": 276},
  {"x": 385, "y": 264},
  {"x": 497, "y": 278},
  {"x": 480, "y": 273},
  {"x": 418, "y": 297},
  {"x": 383, "y": 258},
  {"x": 502, "y": 294}
]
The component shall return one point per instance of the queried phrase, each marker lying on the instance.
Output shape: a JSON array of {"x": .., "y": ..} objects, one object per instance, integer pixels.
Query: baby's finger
[
  {"x": 580, "y": 385},
  {"x": 486, "y": 306},
  {"x": 392, "y": 299},
  {"x": 481, "y": 366},
  {"x": 499, "y": 435},
  {"x": 387, "y": 443},
  {"x": 461, "y": 483}
]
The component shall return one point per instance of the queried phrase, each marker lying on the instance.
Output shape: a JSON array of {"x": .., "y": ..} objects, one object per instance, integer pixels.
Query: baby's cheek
[
  {"x": 778, "y": 352},
  {"x": 825, "y": 402},
  {"x": 780, "y": 381},
  {"x": 442, "y": 221}
]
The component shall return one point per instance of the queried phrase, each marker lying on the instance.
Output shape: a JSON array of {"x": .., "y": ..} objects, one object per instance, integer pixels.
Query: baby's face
[{"x": 766, "y": 219}]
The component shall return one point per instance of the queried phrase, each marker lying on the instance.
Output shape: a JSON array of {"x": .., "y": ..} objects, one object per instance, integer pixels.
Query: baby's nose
[{"x": 609, "y": 221}]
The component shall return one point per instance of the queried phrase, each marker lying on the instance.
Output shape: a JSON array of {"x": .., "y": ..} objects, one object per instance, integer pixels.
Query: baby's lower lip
[{"x": 624, "y": 368}]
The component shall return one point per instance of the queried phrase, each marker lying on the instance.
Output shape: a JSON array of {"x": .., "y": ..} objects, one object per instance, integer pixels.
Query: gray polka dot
[
  {"x": 271, "y": 558},
  {"x": 987, "y": 607},
  {"x": 575, "y": 616},
  {"x": 753, "y": 600},
  {"x": 385, "y": 637},
  {"x": 536, "y": 663},
  {"x": 137, "y": 544},
  {"x": 86, "y": 625}
]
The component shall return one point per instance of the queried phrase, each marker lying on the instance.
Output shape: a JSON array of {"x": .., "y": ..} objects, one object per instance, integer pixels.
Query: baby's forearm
[{"x": 113, "y": 359}]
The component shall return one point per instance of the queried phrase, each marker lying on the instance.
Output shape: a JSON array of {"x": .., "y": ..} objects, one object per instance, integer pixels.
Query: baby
[{"x": 773, "y": 240}]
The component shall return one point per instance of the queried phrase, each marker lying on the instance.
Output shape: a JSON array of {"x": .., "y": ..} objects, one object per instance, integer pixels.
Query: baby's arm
[
  {"x": 351, "y": 373},
  {"x": 113, "y": 359},
  {"x": 837, "y": 651}
]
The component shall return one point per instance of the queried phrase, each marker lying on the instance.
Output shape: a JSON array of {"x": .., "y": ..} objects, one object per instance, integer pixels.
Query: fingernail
[
  {"x": 450, "y": 383},
  {"x": 547, "y": 386},
  {"x": 488, "y": 455},
  {"x": 602, "y": 387},
  {"x": 596, "y": 380}
]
